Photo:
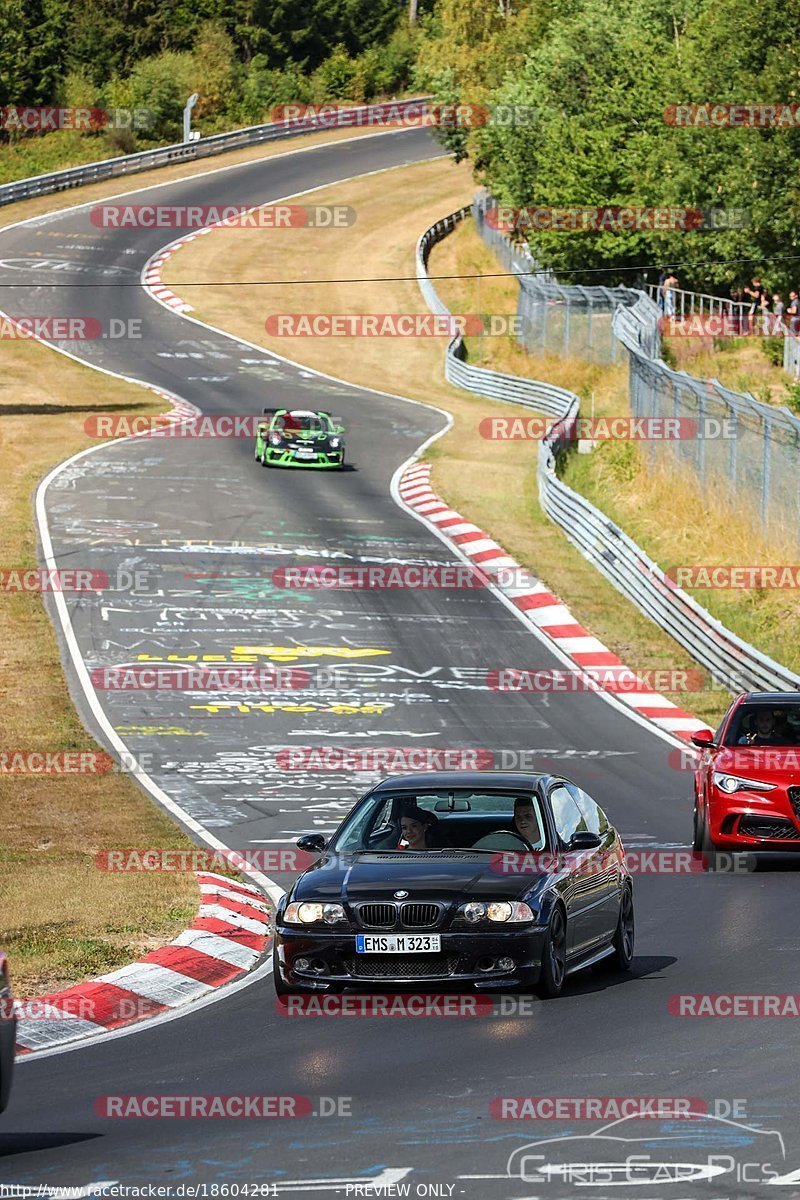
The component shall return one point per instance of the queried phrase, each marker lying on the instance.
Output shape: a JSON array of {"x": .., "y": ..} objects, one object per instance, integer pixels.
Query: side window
[
  {"x": 568, "y": 816},
  {"x": 596, "y": 819}
]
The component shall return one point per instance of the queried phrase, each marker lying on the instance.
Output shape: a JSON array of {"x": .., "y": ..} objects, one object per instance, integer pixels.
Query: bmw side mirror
[
  {"x": 584, "y": 839},
  {"x": 314, "y": 843},
  {"x": 703, "y": 738}
]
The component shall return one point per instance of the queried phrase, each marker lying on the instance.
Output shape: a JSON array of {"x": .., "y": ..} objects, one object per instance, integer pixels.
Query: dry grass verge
[{"x": 63, "y": 919}]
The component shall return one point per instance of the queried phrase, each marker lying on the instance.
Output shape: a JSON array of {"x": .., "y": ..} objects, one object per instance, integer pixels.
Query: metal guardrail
[
  {"x": 510, "y": 389},
  {"x": 731, "y": 661},
  {"x": 165, "y": 156}
]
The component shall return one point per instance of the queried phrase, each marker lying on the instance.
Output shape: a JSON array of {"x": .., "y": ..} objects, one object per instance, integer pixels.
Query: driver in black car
[{"x": 526, "y": 823}]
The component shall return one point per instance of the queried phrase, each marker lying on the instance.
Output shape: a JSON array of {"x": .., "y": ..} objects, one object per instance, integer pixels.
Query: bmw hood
[{"x": 425, "y": 876}]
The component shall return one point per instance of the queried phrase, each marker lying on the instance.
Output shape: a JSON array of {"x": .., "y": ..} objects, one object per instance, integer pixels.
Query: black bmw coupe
[{"x": 482, "y": 879}]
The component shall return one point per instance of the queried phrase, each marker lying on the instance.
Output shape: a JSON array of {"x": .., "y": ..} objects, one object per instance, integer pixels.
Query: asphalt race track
[{"x": 205, "y": 526}]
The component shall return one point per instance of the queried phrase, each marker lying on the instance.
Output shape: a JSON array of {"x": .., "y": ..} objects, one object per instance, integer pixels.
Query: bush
[
  {"x": 773, "y": 350},
  {"x": 264, "y": 87},
  {"x": 78, "y": 91},
  {"x": 161, "y": 85},
  {"x": 216, "y": 75},
  {"x": 394, "y": 67},
  {"x": 336, "y": 78}
]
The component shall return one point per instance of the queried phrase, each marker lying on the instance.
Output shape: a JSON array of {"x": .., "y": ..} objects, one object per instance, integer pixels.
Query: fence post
[{"x": 765, "y": 469}]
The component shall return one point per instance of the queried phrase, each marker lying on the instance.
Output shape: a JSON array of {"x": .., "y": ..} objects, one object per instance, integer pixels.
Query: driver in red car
[{"x": 765, "y": 731}]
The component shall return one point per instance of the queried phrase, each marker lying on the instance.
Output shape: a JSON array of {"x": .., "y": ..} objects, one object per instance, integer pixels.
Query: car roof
[
  {"x": 433, "y": 780},
  {"x": 768, "y": 697}
]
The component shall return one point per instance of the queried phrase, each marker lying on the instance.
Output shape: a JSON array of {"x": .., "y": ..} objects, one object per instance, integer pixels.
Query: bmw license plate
[{"x": 398, "y": 943}]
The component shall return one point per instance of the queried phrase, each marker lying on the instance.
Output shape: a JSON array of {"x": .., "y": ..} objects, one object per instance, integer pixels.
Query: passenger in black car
[{"x": 418, "y": 829}]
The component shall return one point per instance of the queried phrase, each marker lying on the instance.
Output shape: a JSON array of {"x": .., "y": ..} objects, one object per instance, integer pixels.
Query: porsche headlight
[
  {"x": 335, "y": 443},
  {"x": 275, "y": 439},
  {"x": 735, "y": 783},
  {"x": 312, "y": 914}
]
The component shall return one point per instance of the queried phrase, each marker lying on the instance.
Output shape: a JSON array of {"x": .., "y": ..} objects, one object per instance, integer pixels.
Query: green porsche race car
[{"x": 299, "y": 438}]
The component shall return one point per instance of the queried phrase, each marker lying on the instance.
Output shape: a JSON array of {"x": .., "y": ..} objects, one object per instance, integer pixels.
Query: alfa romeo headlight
[{"x": 735, "y": 783}]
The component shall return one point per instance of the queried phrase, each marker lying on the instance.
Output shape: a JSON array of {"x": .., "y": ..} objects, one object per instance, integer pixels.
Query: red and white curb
[
  {"x": 539, "y": 607},
  {"x": 152, "y": 274},
  {"x": 225, "y": 941}
]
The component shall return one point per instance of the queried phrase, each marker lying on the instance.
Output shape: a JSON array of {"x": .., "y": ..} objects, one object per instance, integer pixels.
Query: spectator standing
[
  {"x": 778, "y": 326},
  {"x": 671, "y": 283},
  {"x": 754, "y": 293},
  {"x": 660, "y": 290}
]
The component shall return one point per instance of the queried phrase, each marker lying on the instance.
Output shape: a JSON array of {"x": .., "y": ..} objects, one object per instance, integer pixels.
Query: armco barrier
[
  {"x": 165, "y": 156},
  {"x": 731, "y": 661}
]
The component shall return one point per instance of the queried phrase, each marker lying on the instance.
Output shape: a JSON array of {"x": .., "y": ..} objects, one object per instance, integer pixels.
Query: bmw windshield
[{"x": 454, "y": 819}]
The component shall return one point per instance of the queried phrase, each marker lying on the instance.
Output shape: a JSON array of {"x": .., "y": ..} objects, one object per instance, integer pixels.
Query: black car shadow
[
  {"x": 28, "y": 1143},
  {"x": 600, "y": 978}
]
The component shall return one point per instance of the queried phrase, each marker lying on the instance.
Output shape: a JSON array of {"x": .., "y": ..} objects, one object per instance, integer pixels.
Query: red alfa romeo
[{"x": 747, "y": 784}]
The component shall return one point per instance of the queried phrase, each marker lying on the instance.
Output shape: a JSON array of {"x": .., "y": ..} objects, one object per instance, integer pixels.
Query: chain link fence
[
  {"x": 736, "y": 446},
  {"x": 554, "y": 318},
  {"x": 731, "y": 661}
]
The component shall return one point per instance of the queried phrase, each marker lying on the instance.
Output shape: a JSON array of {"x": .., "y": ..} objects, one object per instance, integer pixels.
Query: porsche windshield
[
  {"x": 293, "y": 424},
  {"x": 457, "y": 819}
]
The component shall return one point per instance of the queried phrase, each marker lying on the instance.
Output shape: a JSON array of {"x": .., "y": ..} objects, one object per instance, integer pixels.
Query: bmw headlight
[
  {"x": 502, "y": 912},
  {"x": 735, "y": 783},
  {"x": 506, "y": 911},
  {"x": 312, "y": 914},
  {"x": 474, "y": 911}
]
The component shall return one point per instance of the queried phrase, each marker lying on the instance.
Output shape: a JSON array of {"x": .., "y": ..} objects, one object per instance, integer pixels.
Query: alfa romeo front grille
[
  {"x": 794, "y": 800},
  {"x": 769, "y": 827}
]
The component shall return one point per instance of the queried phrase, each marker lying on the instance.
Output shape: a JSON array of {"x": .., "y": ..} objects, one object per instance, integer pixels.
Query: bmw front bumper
[{"x": 465, "y": 958}]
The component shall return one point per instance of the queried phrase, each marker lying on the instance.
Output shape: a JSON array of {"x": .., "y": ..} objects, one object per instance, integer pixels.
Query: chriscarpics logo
[{"x": 688, "y": 1153}]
